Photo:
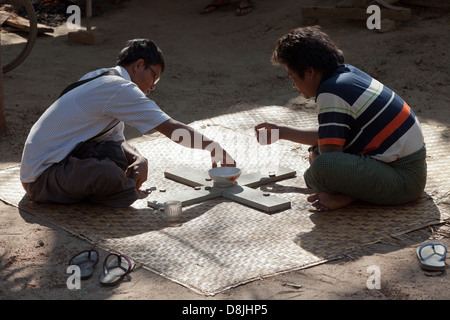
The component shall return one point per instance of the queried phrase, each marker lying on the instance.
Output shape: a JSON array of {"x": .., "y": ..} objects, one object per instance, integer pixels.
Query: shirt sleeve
[
  {"x": 130, "y": 105},
  {"x": 335, "y": 120}
]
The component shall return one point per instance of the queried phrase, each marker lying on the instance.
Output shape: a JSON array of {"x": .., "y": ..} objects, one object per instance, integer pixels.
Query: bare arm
[
  {"x": 138, "y": 165},
  {"x": 308, "y": 136},
  {"x": 183, "y": 134},
  {"x": 191, "y": 138},
  {"x": 130, "y": 152}
]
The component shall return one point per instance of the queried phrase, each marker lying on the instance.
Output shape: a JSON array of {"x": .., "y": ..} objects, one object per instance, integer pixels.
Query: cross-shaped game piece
[{"x": 242, "y": 191}]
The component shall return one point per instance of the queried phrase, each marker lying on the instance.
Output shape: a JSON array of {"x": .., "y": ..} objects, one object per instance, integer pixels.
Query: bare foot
[{"x": 325, "y": 201}]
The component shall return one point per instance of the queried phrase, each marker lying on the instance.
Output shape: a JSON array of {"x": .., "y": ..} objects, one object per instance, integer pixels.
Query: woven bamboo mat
[{"x": 222, "y": 244}]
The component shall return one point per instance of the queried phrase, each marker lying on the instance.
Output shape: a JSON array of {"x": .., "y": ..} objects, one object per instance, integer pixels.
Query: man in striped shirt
[
  {"x": 96, "y": 111},
  {"x": 368, "y": 145}
]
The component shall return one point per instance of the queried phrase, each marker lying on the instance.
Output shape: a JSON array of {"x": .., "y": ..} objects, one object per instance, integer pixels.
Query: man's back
[{"x": 366, "y": 117}]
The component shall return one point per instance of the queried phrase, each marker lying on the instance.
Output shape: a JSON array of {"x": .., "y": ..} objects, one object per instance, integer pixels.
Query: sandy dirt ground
[{"x": 214, "y": 62}]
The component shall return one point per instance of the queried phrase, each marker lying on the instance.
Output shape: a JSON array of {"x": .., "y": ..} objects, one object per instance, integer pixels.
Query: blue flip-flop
[{"x": 431, "y": 256}]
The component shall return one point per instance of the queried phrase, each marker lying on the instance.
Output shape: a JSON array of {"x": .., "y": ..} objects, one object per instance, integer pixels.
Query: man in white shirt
[{"x": 98, "y": 110}]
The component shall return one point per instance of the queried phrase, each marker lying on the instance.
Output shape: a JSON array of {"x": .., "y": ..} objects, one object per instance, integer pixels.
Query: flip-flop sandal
[
  {"x": 213, "y": 7},
  {"x": 114, "y": 270},
  {"x": 85, "y": 260},
  {"x": 241, "y": 11},
  {"x": 431, "y": 256}
]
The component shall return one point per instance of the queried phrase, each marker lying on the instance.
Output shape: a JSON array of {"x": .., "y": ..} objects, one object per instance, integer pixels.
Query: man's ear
[
  {"x": 313, "y": 73},
  {"x": 138, "y": 64},
  {"x": 310, "y": 72}
]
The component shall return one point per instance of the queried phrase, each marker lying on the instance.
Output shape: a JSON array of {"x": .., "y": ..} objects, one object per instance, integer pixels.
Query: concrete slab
[
  {"x": 241, "y": 192},
  {"x": 189, "y": 176},
  {"x": 187, "y": 197},
  {"x": 256, "y": 199}
]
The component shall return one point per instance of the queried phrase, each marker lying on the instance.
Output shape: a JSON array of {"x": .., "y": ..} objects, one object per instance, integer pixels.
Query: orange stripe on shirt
[
  {"x": 389, "y": 129},
  {"x": 333, "y": 141}
]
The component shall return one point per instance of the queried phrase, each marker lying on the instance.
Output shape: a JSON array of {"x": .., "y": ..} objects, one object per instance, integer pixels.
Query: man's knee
[
  {"x": 323, "y": 170},
  {"x": 321, "y": 165},
  {"x": 109, "y": 178}
]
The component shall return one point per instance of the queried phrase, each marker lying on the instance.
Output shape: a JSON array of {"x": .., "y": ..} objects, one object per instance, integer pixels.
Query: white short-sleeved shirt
[{"x": 85, "y": 112}]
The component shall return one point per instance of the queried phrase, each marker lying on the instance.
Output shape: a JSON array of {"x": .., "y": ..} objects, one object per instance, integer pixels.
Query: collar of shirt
[
  {"x": 118, "y": 69},
  {"x": 124, "y": 74}
]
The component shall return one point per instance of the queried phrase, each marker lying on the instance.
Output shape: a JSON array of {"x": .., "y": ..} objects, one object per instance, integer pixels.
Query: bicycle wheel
[{"x": 31, "y": 38}]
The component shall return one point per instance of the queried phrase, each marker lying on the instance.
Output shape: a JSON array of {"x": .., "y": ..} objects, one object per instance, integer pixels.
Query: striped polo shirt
[{"x": 363, "y": 116}]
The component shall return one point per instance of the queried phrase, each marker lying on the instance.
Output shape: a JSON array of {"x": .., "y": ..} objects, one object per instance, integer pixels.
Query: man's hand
[
  {"x": 138, "y": 171},
  {"x": 267, "y": 133},
  {"x": 188, "y": 137}
]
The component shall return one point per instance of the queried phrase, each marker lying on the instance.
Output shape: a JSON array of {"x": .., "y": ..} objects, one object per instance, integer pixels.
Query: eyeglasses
[{"x": 155, "y": 75}]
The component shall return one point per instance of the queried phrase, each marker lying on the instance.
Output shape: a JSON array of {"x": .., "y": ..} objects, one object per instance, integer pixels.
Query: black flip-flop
[
  {"x": 114, "y": 270},
  {"x": 213, "y": 7},
  {"x": 85, "y": 260},
  {"x": 240, "y": 11}
]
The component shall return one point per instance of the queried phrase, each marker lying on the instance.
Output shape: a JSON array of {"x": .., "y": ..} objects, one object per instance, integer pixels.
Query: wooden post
[
  {"x": 3, "y": 126},
  {"x": 88, "y": 15},
  {"x": 88, "y": 36}
]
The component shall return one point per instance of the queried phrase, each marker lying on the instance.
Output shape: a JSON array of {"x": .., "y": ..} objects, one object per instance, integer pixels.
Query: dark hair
[
  {"x": 307, "y": 47},
  {"x": 141, "y": 49}
]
